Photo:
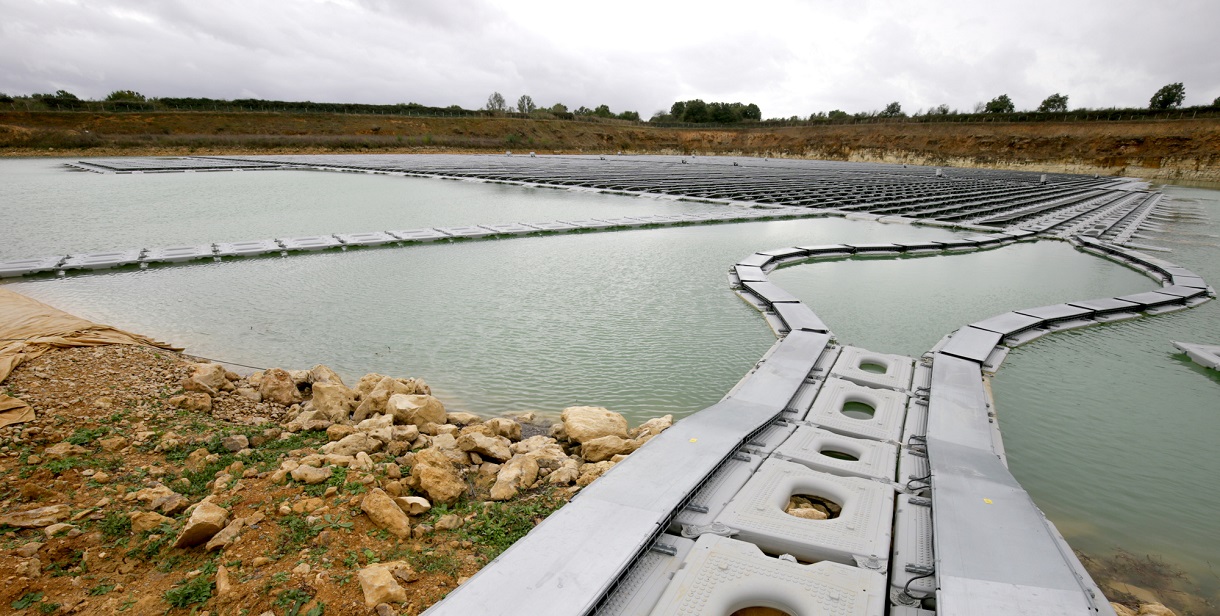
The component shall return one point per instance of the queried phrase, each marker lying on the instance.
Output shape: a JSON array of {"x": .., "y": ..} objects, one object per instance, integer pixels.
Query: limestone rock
[
  {"x": 333, "y": 400},
  {"x": 311, "y": 475},
  {"x": 606, "y": 447},
  {"x": 386, "y": 514},
  {"x": 494, "y": 447},
  {"x": 144, "y": 521},
  {"x": 590, "y": 472},
  {"x": 585, "y": 423},
  {"x": 223, "y": 586},
  {"x": 361, "y": 462},
  {"x": 196, "y": 460},
  {"x": 461, "y": 419},
  {"x": 57, "y": 529},
  {"x": 1122, "y": 610},
  {"x": 323, "y": 374},
  {"x": 250, "y": 393},
  {"x": 63, "y": 450},
  {"x": 434, "y": 472},
  {"x": 567, "y": 473},
  {"x": 193, "y": 401},
  {"x": 112, "y": 444},
  {"x": 207, "y": 520},
  {"x": 380, "y": 585},
  {"x": 352, "y": 444},
  {"x": 279, "y": 387},
  {"x": 651, "y": 428},
  {"x": 207, "y": 379},
  {"x": 223, "y": 538},
  {"x": 415, "y": 409},
  {"x": 337, "y": 431},
  {"x": 502, "y": 426},
  {"x": 235, "y": 442},
  {"x": 449, "y": 522},
  {"x": 37, "y": 518},
  {"x": 374, "y": 400},
  {"x": 518, "y": 473},
  {"x": 413, "y": 505}
]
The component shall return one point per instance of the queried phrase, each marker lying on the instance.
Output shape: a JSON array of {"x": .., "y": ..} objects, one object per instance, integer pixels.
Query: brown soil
[
  {"x": 1187, "y": 149},
  {"x": 88, "y": 395}
]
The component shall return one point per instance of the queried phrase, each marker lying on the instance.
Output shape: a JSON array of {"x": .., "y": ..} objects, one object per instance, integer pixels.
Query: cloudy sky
[{"x": 789, "y": 57}]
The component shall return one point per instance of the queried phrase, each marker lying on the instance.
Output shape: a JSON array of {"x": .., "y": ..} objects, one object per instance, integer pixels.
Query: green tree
[
  {"x": 678, "y": 110},
  {"x": 66, "y": 95},
  {"x": 892, "y": 110},
  {"x": 1053, "y": 103},
  {"x": 696, "y": 111},
  {"x": 630, "y": 115},
  {"x": 125, "y": 95},
  {"x": 583, "y": 111},
  {"x": 1168, "y": 97},
  {"x": 838, "y": 114},
  {"x": 1216, "y": 103},
  {"x": 495, "y": 103},
  {"x": 603, "y": 111},
  {"x": 751, "y": 112},
  {"x": 1000, "y": 104},
  {"x": 558, "y": 108},
  {"x": 525, "y": 104},
  {"x": 941, "y": 109}
]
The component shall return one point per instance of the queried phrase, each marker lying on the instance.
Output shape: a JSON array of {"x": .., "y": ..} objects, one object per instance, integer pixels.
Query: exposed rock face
[
  {"x": 590, "y": 472},
  {"x": 222, "y": 539},
  {"x": 606, "y": 447},
  {"x": 205, "y": 521},
  {"x": 518, "y": 473},
  {"x": 37, "y": 518},
  {"x": 415, "y": 409},
  {"x": 323, "y": 374},
  {"x": 461, "y": 419},
  {"x": 235, "y": 442},
  {"x": 386, "y": 514},
  {"x": 585, "y": 423},
  {"x": 279, "y": 387},
  {"x": 333, "y": 400},
  {"x": 437, "y": 476},
  {"x": 380, "y": 585}
]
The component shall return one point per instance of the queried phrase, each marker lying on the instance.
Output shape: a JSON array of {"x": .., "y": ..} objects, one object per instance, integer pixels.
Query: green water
[{"x": 1108, "y": 428}]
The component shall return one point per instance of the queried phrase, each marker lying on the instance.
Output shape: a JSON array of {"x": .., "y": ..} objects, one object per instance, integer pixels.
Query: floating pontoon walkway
[{"x": 929, "y": 519}]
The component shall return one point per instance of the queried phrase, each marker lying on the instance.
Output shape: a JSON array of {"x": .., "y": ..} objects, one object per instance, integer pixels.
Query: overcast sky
[{"x": 789, "y": 57}]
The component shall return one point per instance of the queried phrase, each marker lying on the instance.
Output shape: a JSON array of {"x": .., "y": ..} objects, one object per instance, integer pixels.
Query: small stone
[
  {"x": 449, "y": 522},
  {"x": 196, "y": 460},
  {"x": 301, "y": 569},
  {"x": 336, "y": 432},
  {"x": 379, "y": 585},
  {"x": 311, "y": 475},
  {"x": 413, "y": 505},
  {"x": 235, "y": 442},
  {"x": 37, "y": 518},
  {"x": 28, "y": 549},
  {"x": 112, "y": 444},
  {"x": 384, "y": 609},
  {"x": 585, "y": 423},
  {"x": 63, "y": 450},
  {"x": 223, "y": 538},
  {"x": 145, "y": 521},
  {"x": 386, "y": 514},
  {"x": 223, "y": 586},
  {"x": 205, "y": 521},
  {"x": 260, "y": 561},
  {"x": 101, "y": 477}
]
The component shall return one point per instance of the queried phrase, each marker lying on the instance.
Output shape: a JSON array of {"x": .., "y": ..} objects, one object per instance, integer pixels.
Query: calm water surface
[{"x": 1111, "y": 431}]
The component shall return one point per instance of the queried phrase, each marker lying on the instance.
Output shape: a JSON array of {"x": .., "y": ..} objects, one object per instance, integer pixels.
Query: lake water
[{"x": 1111, "y": 431}]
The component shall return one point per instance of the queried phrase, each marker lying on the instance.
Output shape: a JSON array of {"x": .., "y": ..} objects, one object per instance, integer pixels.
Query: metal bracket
[
  {"x": 667, "y": 550},
  {"x": 920, "y": 501},
  {"x": 695, "y": 508},
  {"x": 920, "y": 569}
]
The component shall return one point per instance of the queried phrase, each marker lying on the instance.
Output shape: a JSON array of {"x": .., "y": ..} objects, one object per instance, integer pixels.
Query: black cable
[{"x": 906, "y": 588}]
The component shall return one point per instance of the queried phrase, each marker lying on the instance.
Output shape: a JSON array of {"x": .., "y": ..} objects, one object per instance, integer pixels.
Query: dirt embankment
[{"x": 1170, "y": 149}]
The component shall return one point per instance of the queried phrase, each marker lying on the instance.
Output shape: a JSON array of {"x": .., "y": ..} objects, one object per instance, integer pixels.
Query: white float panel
[
  {"x": 551, "y": 226},
  {"x": 721, "y": 575},
  {"x": 310, "y": 243},
  {"x": 511, "y": 229},
  {"x": 471, "y": 232},
  {"x": 862, "y": 528},
  {"x": 102, "y": 260},
  {"x": 419, "y": 235},
  {"x": 711, "y": 499},
  {"x": 374, "y": 238},
  {"x": 874, "y": 459},
  {"x": 22, "y": 267},
  {"x": 889, "y": 410},
  {"x": 897, "y": 375},
  {"x": 247, "y": 249},
  {"x": 177, "y": 254}
]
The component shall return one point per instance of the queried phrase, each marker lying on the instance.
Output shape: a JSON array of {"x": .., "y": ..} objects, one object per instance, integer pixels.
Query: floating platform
[{"x": 1206, "y": 355}]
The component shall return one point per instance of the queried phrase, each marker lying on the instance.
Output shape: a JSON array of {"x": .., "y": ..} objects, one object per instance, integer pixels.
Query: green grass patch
[
  {"x": 26, "y": 600},
  {"x": 189, "y": 592},
  {"x": 86, "y": 436},
  {"x": 115, "y": 526}
]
